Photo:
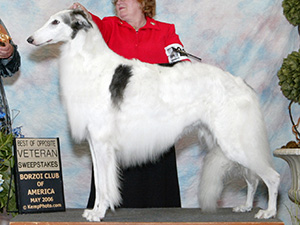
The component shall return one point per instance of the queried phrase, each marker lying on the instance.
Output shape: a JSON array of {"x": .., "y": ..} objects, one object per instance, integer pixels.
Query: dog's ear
[{"x": 80, "y": 20}]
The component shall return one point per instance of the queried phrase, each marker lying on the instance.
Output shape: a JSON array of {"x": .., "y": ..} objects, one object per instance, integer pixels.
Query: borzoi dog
[{"x": 131, "y": 112}]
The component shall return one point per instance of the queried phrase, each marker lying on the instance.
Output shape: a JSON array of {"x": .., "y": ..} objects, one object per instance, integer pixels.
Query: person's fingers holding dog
[
  {"x": 77, "y": 5},
  {"x": 6, "y": 50}
]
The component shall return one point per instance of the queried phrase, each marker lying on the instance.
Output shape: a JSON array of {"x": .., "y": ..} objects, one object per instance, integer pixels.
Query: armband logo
[{"x": 173, "y": 55}]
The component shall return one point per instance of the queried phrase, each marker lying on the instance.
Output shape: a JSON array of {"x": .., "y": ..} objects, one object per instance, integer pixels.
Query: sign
[{"x": 39, "y": 184}]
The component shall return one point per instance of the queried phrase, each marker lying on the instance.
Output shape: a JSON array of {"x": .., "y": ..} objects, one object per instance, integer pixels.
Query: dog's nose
[{"x": 30, "y": 40}]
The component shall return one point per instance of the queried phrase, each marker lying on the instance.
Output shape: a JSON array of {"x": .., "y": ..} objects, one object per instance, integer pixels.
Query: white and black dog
[{"x": 131, "y": 112}]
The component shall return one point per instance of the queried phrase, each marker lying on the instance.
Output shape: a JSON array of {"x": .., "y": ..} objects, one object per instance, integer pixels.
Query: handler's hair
[{"x": 148, "y": 7}]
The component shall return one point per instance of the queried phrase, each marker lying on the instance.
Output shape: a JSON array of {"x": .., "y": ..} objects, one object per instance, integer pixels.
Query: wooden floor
[{"x": 165, "y": 216}]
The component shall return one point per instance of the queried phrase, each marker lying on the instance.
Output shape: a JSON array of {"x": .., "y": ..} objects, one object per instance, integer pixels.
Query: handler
[
  {"x": 133, "y": 33},
  {"x": 9, "y": 64}
]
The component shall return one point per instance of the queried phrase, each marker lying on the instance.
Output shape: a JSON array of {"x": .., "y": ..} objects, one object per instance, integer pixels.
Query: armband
[{"x": 175, "y": 56}]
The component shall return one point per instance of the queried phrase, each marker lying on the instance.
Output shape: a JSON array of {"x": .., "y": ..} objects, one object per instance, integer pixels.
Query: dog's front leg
[{"x": 106, "y": 180}]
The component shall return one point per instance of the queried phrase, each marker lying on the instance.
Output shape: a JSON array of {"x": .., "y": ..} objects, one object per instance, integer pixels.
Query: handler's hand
[
  {"x": 77, "y": 5},
  {"x": 6, "y": 51}
]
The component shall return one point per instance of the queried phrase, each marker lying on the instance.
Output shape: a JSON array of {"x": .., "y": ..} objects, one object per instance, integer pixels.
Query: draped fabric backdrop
[{"x": 247, "y": 38}]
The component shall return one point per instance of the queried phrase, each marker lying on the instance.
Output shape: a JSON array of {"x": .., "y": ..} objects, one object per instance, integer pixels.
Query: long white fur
[{"x": 160, "y": 104}]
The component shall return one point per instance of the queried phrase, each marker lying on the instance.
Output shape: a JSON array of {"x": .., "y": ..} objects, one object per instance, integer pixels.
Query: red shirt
[{"x": 151, "y": 43}]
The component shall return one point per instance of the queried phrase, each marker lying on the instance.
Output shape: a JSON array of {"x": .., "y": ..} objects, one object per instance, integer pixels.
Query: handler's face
[{"x": 128, "y": 9}]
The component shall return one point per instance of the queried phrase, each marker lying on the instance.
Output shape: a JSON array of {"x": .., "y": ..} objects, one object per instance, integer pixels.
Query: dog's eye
[{"x": 55, "y": 22}]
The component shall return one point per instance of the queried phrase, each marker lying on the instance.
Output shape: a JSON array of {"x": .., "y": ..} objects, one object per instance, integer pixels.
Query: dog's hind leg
[
  {"x": 256, "y": 157},
  {"x": 252, "y": 182},
  {"x": 243, "y": 139},
  {"x": 272, "y": 180},
  {"x": 106, "y": 180},
  {"x": 263, "y": 168}
]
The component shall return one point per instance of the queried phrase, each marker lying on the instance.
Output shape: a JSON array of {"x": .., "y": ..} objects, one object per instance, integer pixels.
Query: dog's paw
[
  {"x": 265, "y": 214},
  {"x": 242, "y": 208},
  {"x": 92, "y": 215}
]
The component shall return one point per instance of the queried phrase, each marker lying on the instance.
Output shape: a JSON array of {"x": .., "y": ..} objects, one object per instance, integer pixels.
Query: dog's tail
[{"x": 214, "y": 170}]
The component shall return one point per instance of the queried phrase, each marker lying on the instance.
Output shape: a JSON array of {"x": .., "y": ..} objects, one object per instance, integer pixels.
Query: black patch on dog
[
  {"x": 119, "y": 82},
  {"x": 78, "y": 22}
]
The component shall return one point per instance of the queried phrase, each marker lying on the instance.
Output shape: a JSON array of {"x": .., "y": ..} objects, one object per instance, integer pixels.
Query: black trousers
[{"x": 150, "y": 185}]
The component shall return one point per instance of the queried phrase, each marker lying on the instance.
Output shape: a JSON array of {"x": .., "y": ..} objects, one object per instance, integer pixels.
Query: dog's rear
[{"x": 239, "y": 142}]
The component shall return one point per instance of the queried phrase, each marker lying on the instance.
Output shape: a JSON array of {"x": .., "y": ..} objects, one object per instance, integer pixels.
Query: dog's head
[{"x": 63, "y": 26}]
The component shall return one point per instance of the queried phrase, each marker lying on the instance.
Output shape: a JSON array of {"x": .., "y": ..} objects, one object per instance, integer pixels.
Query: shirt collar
[{"x": 150, "y": 24}]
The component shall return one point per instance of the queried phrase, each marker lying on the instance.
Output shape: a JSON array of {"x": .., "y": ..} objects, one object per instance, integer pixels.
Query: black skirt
[{"x": 150, "y": 185}]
